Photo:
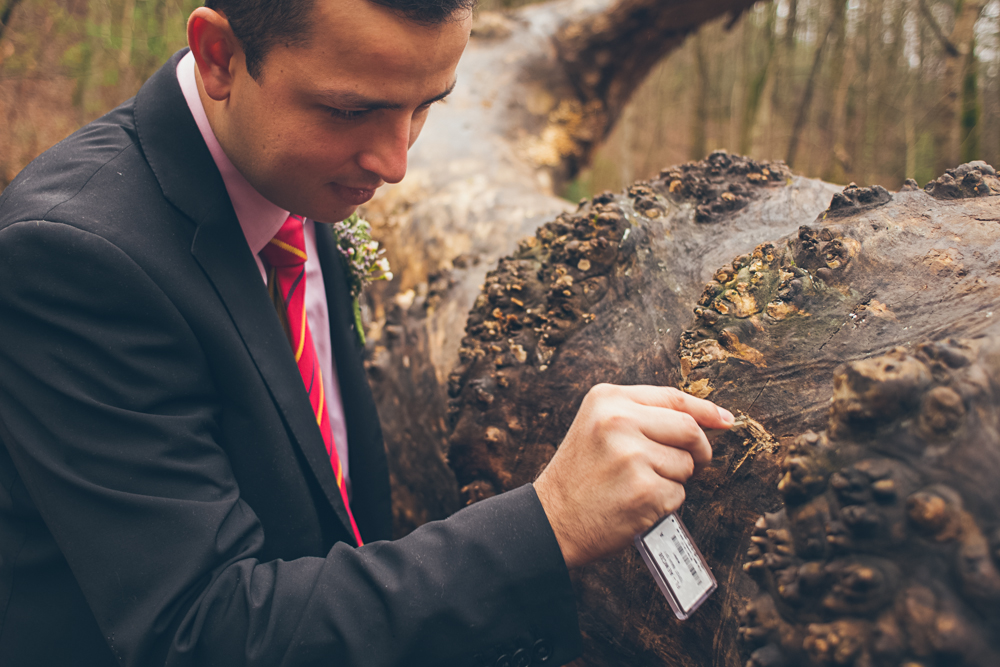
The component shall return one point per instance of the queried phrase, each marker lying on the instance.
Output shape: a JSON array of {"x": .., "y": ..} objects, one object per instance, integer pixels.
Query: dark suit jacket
[{"x": 165, "y": 496}]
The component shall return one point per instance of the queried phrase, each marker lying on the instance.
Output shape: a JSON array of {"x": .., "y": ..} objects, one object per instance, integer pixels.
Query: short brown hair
[{"x": 260, "y": 24}]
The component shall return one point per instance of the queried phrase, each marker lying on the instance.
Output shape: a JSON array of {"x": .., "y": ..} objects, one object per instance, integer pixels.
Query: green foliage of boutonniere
[{"x": 365, "y": 261}]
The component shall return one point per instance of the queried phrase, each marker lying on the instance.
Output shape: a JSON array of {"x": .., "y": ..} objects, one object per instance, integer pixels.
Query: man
[{"x": 175, "y": 489}]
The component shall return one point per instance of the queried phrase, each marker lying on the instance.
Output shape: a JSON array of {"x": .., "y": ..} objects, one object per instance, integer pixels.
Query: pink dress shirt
[{"x": 260, "y": 221}]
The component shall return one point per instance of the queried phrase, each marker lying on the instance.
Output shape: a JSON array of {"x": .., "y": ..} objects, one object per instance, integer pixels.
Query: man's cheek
[{"x": 416, "y": 126}]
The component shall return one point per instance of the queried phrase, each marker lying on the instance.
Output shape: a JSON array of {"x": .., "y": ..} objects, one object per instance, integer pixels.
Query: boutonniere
[{"x": 365, "y": 261}]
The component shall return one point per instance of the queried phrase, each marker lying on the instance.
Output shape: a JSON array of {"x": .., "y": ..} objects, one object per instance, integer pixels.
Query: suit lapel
[
  {"x": 189, "y": 179},
  {"x": 369, "y": 471}
]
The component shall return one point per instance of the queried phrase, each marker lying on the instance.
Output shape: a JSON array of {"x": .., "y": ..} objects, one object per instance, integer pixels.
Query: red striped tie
[{"x": 285, "y": 257}]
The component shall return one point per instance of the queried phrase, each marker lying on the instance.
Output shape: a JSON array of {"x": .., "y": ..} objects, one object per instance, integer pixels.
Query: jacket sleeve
[{"x": 109, "y": 412}]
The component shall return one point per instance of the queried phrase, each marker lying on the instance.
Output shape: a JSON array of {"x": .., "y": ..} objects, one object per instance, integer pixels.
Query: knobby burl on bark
[
  {"x": 605, "y": 294},
  {"x": 885, "y": 552}
]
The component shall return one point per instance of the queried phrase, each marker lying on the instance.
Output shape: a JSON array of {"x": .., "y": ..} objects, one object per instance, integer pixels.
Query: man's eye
[{"x": 346, "y": 114}]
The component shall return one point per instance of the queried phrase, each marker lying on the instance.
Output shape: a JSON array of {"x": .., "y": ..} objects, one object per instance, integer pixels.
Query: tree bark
[
  {"x": 949, "y": 117},
  {"x": 888, "y": 535},
  {"x": 604, "y": 294}
]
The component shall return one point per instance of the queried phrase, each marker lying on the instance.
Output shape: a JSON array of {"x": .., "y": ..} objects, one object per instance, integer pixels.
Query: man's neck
[{"x": 259, "y": 218}]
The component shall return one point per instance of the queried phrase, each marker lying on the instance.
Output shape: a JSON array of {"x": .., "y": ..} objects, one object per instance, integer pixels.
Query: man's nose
[{"x": 385, "y": 153}]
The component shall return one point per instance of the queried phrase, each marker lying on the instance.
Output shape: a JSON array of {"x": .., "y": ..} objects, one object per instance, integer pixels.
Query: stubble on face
[{"x": 331, "y": 118}]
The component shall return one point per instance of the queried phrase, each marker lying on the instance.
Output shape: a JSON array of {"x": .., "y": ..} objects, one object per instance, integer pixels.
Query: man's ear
[{"x": 215, "y": 49}]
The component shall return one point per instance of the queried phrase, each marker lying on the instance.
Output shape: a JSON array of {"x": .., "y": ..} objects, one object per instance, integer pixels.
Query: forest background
[{"x": 870, "y": 91}]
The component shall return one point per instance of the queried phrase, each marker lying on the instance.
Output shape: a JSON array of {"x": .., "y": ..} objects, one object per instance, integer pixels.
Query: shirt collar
[{"x": 259, "y": 218}]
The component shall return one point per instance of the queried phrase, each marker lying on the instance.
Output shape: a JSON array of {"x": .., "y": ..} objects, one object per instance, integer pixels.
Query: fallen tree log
[{"x": 605, "y": 294}]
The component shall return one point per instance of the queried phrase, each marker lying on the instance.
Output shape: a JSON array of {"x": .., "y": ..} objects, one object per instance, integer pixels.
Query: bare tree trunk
[
  {"x": 839, "y": 160},
  {"x": 949, "y": 117},
  {"x": 969, "y": 134},
  {"x": 887, "y": 98},
  {"x": 128, "y": 26},
  {"x": 791, "y": 25},
  {"x": 910, "y": 133},
  {"x": 830, "y": 113},
  {"x": 803, "y": 114},
  {"x": 699, "y": 122},
  {"x": 757, "y": 83},
  {"x": 784, "y": 70}
]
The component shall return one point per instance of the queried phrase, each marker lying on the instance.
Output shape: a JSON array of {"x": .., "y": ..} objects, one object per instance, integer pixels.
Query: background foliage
[
  {"x": 65, "y": 62},
  {"x": 872, "y": 91},
  {"x": 847, "y": 90}
]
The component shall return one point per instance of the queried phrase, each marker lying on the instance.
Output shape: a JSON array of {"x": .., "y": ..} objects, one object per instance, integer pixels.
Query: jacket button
[
  {"x": 542, "y": 650},
  {"x": 521, "y": 658},
  {"x": 503, "y": 661}
]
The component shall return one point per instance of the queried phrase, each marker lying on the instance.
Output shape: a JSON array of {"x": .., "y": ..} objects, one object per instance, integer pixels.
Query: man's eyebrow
[
  {"x": 345, "y": 99},
  {"x": 446, "y": 93}
]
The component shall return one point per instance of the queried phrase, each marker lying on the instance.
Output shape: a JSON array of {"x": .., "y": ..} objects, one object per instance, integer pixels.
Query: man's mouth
[{"x": 353, "y": 196}]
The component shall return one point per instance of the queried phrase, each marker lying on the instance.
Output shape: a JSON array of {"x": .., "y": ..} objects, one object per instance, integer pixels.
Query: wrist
[{"x": 553, "y": 505}]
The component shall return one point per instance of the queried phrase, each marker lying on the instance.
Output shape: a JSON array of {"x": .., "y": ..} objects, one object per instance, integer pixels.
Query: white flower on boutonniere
[{"x": 365, "y": 261}]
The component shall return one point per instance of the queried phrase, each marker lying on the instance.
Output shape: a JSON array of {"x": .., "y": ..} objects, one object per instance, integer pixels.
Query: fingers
[
  {"x": 675, "y": 465},
  {"x": 667, "y": 498},
  {"x": 635, "y": 447},
  {"x": 674, "y": 429},
  {"x": 706, "y": 413},
  {"x": 672, "y": 499}
]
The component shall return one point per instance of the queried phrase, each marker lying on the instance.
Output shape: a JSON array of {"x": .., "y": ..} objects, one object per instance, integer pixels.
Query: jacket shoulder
[{"x": 86, "y": 172}]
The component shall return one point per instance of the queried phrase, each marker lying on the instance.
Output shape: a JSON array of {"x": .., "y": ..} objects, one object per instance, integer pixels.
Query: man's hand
[{"x": 623, "y": 464}]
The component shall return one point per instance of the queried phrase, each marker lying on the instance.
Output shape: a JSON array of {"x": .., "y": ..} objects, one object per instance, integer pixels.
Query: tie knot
[{"x": 288, "y": 247}]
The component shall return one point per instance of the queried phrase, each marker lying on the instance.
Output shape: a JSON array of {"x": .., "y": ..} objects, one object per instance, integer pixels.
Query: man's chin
[
  {"x": 330, "y": 211},
  {"x": 332, "y": 216}
]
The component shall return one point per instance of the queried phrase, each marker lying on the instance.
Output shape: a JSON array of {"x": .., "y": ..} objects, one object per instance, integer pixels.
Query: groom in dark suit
[{"x": 190, "y": 453}]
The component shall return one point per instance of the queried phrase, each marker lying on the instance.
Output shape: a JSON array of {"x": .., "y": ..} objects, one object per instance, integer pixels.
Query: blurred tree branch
[
  {"x": 946, "y": 44},
  {"x": 8, "y": 9}
]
